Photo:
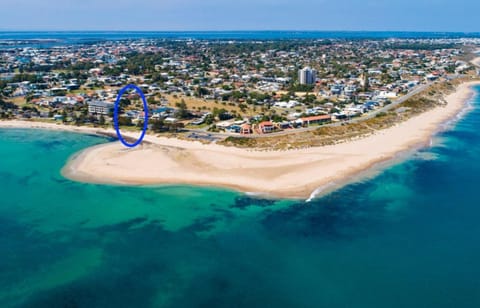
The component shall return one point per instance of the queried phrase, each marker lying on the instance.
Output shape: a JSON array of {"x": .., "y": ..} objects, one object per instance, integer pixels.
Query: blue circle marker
[{"x": 115, "y": 115}]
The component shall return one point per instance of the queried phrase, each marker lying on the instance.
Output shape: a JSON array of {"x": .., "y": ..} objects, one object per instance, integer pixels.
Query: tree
[
  {"x": 301, "y": 87},
  {"x": 182, "y": 111},
  {"x": 309, "y": 98},
  {"x": 28, "y": 97},
  {"x": 101, "y": 121},
  {"x": 200, "y": 92},
  {"x": 158, "y": 126},
  {"x": 209, "y": 119},
  {"x": 243, "y": 107},
  {"x": 151, "y": 100},
  {"x": 224, "y": 115},
  {"x": 124, "y": 102},
  {"x": 124, "y": 121}
]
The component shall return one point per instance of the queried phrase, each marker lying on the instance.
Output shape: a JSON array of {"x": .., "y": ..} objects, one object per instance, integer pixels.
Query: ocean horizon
[{"x": 59, "y": 38}]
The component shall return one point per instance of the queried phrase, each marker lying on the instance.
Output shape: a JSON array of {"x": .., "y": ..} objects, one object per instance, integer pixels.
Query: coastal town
[
  {"x": 214, "y": 88},
  {"x": 239, "y": 154}
]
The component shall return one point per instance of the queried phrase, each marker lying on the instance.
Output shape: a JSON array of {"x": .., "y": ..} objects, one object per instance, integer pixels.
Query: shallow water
[{"x": 406, "y": 238}]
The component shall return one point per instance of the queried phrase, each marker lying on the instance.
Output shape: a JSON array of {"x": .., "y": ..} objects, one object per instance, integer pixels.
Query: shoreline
[
  {"x": 27, "y": 124},
  {"x": 295, "y": 174}
]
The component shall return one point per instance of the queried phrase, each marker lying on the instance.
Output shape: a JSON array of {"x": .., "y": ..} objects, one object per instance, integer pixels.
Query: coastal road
[{"x": 416, "y": 90}]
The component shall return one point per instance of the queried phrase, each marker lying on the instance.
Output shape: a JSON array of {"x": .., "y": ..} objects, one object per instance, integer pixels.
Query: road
[{"x": 418, "y": 89}]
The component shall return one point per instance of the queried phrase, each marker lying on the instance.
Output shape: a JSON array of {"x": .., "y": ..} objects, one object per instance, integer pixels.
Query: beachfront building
[
  {"x": 98, "y": 107},
  {"x": 266, "y": 127},
  {"x": 319, "y": 119},
  {"x": 246, "y": 129},
  {"x": 307, "y": 75}
]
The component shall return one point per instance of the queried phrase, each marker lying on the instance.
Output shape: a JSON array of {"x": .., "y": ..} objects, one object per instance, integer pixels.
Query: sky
[{"x": 204, "y": 15}]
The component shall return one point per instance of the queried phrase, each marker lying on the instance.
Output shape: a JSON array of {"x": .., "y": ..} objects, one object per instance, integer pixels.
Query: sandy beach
[{"x": 286, "y": 174}]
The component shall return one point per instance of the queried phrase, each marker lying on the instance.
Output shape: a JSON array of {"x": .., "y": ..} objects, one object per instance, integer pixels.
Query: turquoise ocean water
[{"x": 409, "y": 237}]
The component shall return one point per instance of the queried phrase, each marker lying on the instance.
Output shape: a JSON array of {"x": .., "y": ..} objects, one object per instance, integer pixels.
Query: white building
[
  {"x": 289, "y": 104},
  {"x": 98, "y": 107},
  {"x": 307, "y": 75}
]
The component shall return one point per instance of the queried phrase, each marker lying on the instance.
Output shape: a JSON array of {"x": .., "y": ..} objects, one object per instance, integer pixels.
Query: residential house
[
  {"x": 246, "y": 129},
  {"x": 266, "y": 127}
]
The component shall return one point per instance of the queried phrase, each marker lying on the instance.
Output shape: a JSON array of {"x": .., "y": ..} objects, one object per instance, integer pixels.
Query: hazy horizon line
[{"x": 239, "y": 30}]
